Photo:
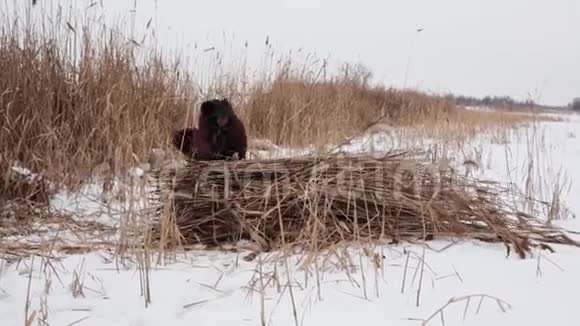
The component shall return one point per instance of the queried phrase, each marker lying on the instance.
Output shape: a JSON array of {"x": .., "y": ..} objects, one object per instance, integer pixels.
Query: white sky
[{"x": 527, "y": 49}]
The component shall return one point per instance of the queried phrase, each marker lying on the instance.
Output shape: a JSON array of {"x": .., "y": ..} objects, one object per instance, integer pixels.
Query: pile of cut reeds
[{"x": 314, "y": 202}]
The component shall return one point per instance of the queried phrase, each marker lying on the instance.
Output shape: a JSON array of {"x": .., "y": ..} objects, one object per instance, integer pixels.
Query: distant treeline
[{"x": 498, "y": 102}]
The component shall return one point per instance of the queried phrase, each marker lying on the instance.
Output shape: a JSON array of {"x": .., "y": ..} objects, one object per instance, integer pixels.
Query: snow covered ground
[{"x": 218, "y": 288}]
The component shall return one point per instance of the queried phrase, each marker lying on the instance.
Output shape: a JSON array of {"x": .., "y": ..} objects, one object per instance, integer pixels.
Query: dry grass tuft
[
  {"x": 19, "y": 184},
  {"x": 72, "y": 100},
  {"x": 298, "y": 109},
  {"x": 317, "y": 202}
]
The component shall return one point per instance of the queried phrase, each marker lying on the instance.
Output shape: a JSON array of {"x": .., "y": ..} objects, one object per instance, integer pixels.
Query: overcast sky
[{"x": 522, "y": 48}]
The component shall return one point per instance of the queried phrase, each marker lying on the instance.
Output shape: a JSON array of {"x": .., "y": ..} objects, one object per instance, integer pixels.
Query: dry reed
[
  {"x": 75, "y": 93},
  {"x": 313, "y": 202}
]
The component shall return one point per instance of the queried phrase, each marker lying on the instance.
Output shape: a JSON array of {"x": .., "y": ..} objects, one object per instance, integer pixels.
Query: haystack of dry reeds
[{"x": 314, "y": 202}]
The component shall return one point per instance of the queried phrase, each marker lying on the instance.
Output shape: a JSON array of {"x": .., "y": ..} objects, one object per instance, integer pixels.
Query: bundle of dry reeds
[{"x": 315, "y": 202}]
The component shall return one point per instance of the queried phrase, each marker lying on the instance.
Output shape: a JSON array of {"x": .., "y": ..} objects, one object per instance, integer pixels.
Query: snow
[
  {"x": 221, "y": 288},
  {"x": 93, "y": 204},
  {"x": 21, "y": 170}
]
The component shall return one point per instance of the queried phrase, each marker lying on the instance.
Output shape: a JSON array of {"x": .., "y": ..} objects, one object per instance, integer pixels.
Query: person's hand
[{"x": 235, "y": 156}]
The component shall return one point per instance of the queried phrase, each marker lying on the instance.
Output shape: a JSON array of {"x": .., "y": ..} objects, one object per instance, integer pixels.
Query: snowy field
[{"x": 219, "y": 288}]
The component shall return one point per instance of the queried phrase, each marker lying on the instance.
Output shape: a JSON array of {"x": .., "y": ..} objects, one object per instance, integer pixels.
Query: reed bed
[{"x": 316, "y": 202}]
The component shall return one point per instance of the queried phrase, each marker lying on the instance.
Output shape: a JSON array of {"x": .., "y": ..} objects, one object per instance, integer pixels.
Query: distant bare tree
[{"x": 576, "y": 104}]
